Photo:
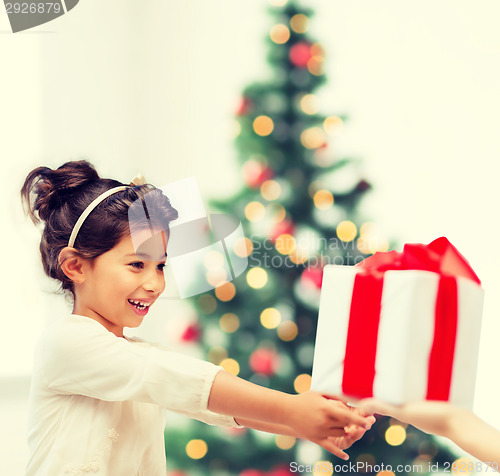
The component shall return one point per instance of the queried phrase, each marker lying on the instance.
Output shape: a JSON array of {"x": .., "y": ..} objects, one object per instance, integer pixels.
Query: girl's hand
[{"x": 328, "y": 422}]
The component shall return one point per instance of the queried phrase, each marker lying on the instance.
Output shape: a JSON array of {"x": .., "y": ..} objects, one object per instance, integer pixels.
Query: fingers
[
  {"x": 345, "y": 416},
  {"x": 340, "y": 398},
  {"x": 354, "y": 434},
  {"x": 373, "y": 405},
  {"x": 371, "y": 419},
  {"x": 336, "y": 432},
  {"x": 364, "y": 412},
  {"x": 330, "y": 446}
]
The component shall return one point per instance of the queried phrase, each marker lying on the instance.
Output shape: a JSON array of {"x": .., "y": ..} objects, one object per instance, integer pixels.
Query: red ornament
[
  {"x": 300, "y": 54},
  {"x": 263, "y": 361},
  {"x": 281, "y": 470},
  {"x": 244, "y": 107},
  {"x": 312, "y": 276},
  {"x": 283, "y": 227},
  {"x": 255, "y": 173},
  {"x": 191, "y": 333},
  {"x": 363, "y": 185}
]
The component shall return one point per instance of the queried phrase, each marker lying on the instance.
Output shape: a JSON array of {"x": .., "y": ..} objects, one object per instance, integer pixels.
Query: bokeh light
[
  {"x": 216, "y": 277},
  {"x": 323, "y": 199},
  {"x": 196, "y": 449},
  {"x": 213, "y": 259},
  {"x": 280, "y": 34},
  {"x": 225, "y": 292},
  {"x": 395, "y": 435},
  {"x": 333, "y": 125},
  {"x": 302, "y": 383},
  {"x": 255, "y": 211},
  {"x": 257, "y": 277},
  {"x": 346, "y": 230},
  {"x": 299, "y": 23},
  {"x": 299, "y": 256},
  {"x": 231, "y": 366},
  {"x": 322, "y": 468},
  {"x": 287, "y": 331},
  {"x": 270, "y": 318},
  {"x": 229, "y": 322},
  {"x": 309, "y": 103},
  {"x": 315, "y": 63},
  {"x": 285, "y": 244},
  {"x": 214, "y": 262},
  {"x": 371, "y": 239},
  {"x": 463, "y": 466},
  {"x": 263, "y": 125},
  {"x": 270, "y": 190},
  {"x": 284, "y": 442},
  {"x": 243, "y": 247},
  {"x": 312, "y": 138}
]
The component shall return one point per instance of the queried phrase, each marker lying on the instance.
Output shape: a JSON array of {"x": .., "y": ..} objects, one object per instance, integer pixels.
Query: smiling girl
[{"x": 98, "y": 398}]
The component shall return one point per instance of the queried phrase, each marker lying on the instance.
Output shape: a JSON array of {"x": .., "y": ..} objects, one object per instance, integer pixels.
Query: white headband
[
  {"x": 137, "y": 180},
  {"x": 88, "y": 211}
]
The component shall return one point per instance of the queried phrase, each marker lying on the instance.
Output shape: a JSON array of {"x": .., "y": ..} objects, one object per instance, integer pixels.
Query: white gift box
[{"x": 405, "y": 335}]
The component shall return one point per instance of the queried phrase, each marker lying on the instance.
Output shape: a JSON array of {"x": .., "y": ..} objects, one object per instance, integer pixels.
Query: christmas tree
[{"x": 299, "y": 209}]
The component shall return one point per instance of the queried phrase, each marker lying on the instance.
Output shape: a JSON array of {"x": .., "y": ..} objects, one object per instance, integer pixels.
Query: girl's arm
[
  {"x": 275, "y": 428},
  {"x": 309, "y": 415},
  {"x": 352, "y": 433},
  {"x": 461, "y": 426}
]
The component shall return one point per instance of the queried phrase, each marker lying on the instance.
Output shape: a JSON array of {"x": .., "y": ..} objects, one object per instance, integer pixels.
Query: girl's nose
[{"x": 155, "y": 282}]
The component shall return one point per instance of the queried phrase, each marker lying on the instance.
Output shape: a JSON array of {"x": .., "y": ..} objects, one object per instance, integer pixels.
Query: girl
[
  {"x": 461, "y": 426},
  {"x": 98, "y": 398}
]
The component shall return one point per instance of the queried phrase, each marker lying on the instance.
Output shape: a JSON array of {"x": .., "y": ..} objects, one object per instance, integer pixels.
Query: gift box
[{"x": 400, "y": 327}]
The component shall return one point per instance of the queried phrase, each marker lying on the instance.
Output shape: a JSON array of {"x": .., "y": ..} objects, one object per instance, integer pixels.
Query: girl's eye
[
  {"x": 161, "y": 267},
  {"x": 138, "y": 265}
]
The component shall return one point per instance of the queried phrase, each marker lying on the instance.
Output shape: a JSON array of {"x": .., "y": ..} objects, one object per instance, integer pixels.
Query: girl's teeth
[{"x": 138, "y": 304}]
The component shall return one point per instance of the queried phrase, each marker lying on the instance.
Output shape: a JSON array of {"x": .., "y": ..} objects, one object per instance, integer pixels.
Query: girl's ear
[{"x": 72, "y": 264}]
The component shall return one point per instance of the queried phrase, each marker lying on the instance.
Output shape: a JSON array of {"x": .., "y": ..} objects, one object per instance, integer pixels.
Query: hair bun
[{"x": 45, "y": 189}]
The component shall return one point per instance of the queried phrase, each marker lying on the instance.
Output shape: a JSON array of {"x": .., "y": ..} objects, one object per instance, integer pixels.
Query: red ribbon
[{"x": 440, "y": 257}]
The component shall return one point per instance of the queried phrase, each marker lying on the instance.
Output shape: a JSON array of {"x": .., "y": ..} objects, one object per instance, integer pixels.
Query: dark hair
[{"x": 58, "y": 197}]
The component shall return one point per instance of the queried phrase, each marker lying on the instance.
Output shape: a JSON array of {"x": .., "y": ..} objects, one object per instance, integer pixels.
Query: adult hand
[{"x": 429, "y": 416}]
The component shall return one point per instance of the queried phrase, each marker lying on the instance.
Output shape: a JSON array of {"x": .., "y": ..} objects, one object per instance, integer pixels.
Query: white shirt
[{"x": 98, "y": 401}]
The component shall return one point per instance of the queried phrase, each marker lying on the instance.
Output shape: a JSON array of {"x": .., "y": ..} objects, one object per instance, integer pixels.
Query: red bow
[{"x": 440, "y": 256}]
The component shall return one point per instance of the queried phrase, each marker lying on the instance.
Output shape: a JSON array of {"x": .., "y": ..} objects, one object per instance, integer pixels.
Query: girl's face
[{"x": 120, "y": 286}]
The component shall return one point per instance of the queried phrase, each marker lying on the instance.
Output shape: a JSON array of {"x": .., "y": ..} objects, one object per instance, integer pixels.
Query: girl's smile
[{"x": 141, "y": 306}]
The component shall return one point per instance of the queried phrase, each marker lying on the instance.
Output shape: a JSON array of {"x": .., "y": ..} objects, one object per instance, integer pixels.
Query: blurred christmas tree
[{"x": 299, "y": 212}]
